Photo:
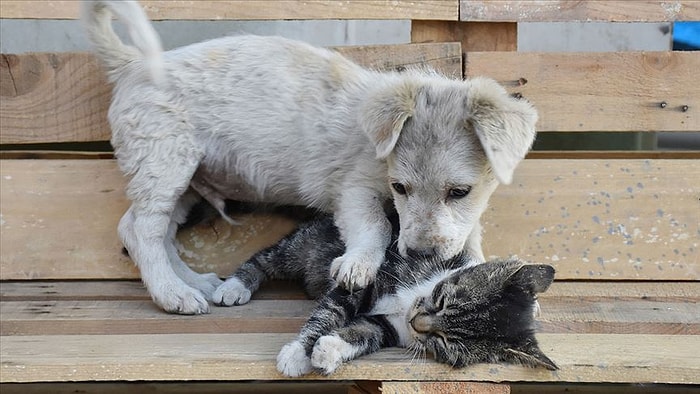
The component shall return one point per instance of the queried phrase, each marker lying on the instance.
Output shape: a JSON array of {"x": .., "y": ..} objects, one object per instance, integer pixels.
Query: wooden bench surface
[{"x": 621, "y": 228}]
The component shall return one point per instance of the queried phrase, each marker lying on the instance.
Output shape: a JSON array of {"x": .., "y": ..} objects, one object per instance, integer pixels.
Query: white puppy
[{"x": 274, "y": 120}]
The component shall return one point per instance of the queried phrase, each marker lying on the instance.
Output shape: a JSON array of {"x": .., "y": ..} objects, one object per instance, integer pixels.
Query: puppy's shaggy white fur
[{"x": 274, "y": 120}]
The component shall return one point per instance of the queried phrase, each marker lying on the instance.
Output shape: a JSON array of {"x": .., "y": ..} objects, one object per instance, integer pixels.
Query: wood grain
[
  {"x": 591, "y": 219},
  {"x": 630, "y": 308},
  {"x": 573, "y": 92},
  {"x": 251, "y": 9},
  {"x": 63, "y": 97},
  {"x": 600, "y": 91},
  {"x": 444, "y": 388},
  {"x": 581, "y": 357},
  {"x": 474, "y": 36},
  {"x": 51, "y": 97},
  {"x": 131, "y": 290},
  {"x": 579, "y": 11}
]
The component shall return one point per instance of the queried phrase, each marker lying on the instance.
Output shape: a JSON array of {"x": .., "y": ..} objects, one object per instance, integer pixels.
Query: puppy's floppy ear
[
  {"x": 383, "y": 115},
  {"x": 504, "y": 124}
]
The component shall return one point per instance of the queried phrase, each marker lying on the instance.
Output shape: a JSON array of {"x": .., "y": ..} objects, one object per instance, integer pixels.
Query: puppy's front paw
[
  {"x": 231, "y": 292},
  {"x": 292, "y": 360},
  {"x": 356, "y": 270},
  {"x": 206, "y": 283},
  {"x": 329, "y": 353}
]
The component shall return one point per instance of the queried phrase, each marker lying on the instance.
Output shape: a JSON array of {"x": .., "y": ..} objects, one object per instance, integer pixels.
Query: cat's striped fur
[{"x": 458, "y": 311}]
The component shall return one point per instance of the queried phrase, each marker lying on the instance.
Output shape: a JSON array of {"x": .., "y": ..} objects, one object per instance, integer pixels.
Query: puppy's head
[{"x": 447, "y": 144}]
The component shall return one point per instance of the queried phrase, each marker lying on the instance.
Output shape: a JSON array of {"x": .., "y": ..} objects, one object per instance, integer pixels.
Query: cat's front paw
[
  {"x": 355, "y": 271},
  {"x": 292, "y": 360},
  {"x": 329, "y": 353},
  {"x": 231, "y": 292}
]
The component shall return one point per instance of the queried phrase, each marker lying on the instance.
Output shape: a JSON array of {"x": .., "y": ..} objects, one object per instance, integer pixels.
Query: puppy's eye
[
  {"x": 458, "y": 192},
  {"x": 400, "y": 188}
]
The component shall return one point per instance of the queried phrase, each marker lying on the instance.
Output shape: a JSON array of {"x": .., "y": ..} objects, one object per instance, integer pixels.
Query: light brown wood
[
  {"x": 591, "y": 219},
  {"x": 600, "y": 91},
  {"x": 133, "y": 290},
  {"x": 296, "y": 387},
  {"x": 36, "y": 290},
  {"x": 613, "y": 155},
  {"x": 141, "y": 317},
  {"x": 63, "y": 97},
  {"x": 56, "y": 308},
  {"x": 251, "y": 9},
  {"x": 558, "y": 154},
  {"x": 444, "y": 388},
  {"x": 581, "y": 357},
  {"x": 580, "y": 11},
  {"x": 600, "y": 219},
  {"x": 53, "y": 98},
  {"x": 287, "y": 387},
  {"x": 474, "y": 36}
]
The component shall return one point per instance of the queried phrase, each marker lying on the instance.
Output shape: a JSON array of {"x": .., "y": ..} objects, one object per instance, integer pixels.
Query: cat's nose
[
  {"x": 421, "y": 253},
  {"x": 422, "y": 323}
]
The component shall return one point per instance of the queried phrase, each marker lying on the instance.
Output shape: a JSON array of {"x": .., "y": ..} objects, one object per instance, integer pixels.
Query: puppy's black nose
[{"x": 421, "y": 253}]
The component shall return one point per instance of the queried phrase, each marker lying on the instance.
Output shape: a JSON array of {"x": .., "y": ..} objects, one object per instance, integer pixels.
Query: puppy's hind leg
[
  {"x": 206, "y": 283},
  {"x": 155, "y": 188}
]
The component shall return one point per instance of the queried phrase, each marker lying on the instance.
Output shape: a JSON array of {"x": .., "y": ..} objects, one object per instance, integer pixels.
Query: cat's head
[{"x": 483, "y": 314}]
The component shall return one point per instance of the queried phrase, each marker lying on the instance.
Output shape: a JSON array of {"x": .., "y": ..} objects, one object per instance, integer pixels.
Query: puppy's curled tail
[{"x": 97, "y": 15}]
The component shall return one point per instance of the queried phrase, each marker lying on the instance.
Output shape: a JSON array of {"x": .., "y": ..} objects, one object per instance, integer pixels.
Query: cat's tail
[{"x": 96, "y": 16}]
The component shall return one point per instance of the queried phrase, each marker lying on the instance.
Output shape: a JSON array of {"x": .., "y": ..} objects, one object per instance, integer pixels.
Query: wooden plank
[
  {"x": 474, "y": 36},
  {"x": 318, "y": 387},
  {"x": 53, "y": 98},
  {"x": 579, "y": 11},
  {"x": 131, "y": 290},
  {"x": 139, "y": 317},
  {"x": 641, "y": 308},
  {"x": 620, "y": 91},
  {"x": 251, "y": 9},
  {"x": 44, "y": 198},
  {"x": 558, "y": 154},
  {"x": 566, "y": 315},
  {"x": 63, "y": 97},
  {"x": 288, "y": 387},
  {"x": 613, "y": 155},
  {"x": 234, "y": 357},
  {"x": 594, "y": 291},
  {"x": 444, "y": 388},
  {"x": 591, "y": 219},
  {"x": 600, "y": 219}
]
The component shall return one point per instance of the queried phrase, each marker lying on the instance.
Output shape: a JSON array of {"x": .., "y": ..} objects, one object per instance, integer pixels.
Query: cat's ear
[
  {"x": 530, "y": 356},
  {"x": 536, "y": 277}
]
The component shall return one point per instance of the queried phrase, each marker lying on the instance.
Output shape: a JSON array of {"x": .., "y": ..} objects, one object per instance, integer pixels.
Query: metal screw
[
  {"x": 662, "y": 104},
  {"x": 684, "y": 108}
]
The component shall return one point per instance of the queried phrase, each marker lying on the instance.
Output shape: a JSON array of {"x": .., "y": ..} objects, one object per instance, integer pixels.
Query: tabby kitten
[{"x": 457, "y": 310}]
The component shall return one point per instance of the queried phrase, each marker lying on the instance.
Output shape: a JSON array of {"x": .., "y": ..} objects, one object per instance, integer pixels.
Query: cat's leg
[
  {"x": 238, "y": 289},
  {"x": 365, "y": 335},
  {"x": 334, "y": 311},
  {"x": 305, "y": 253}
]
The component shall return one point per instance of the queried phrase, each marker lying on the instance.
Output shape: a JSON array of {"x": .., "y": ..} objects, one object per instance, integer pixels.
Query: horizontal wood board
[
  {"x": 596, "y": 358},
  {"x": 63, "y": 97},
  {"x": 579, "y": 11},
  {"x": 591, "y": 219},
  {"x": 251, "y": 9},
  {"x": 615, "y": 91},
  {"x": 109, "y": 308}
]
